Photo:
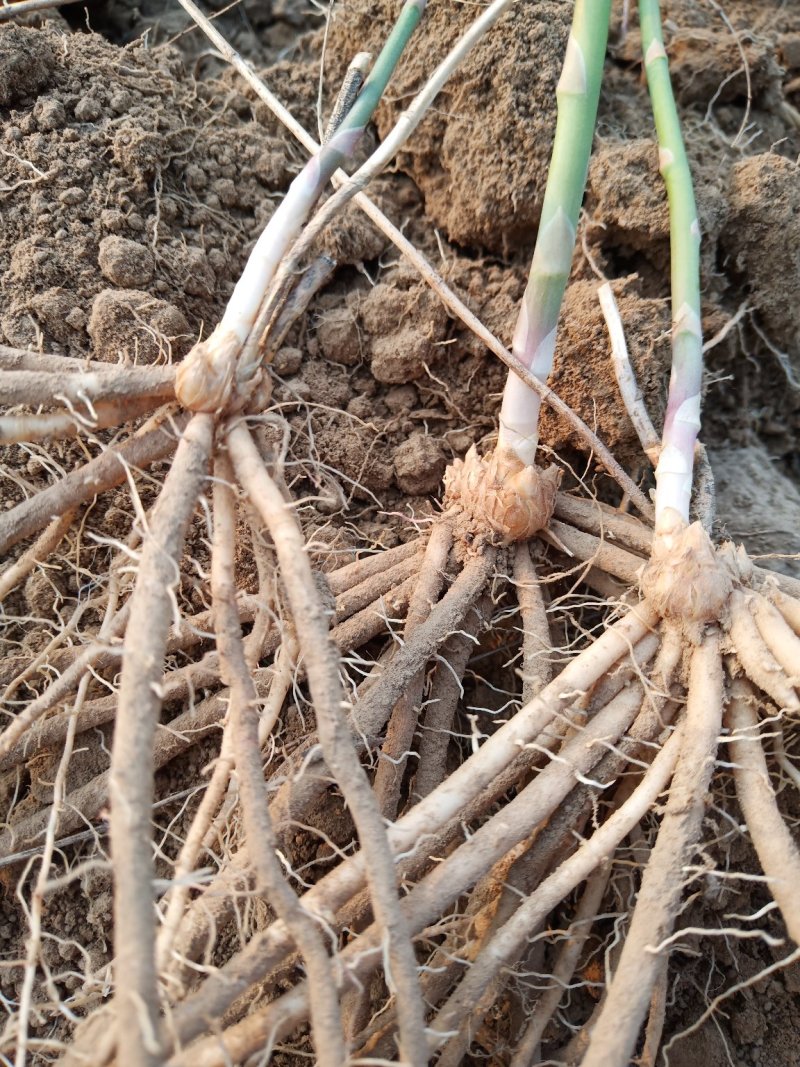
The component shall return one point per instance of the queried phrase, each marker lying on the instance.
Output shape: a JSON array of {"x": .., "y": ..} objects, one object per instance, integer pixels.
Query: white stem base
[{"x": 519, "y": 420}]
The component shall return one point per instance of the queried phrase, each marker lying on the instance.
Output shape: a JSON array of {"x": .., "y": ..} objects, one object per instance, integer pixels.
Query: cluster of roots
[{"x": 476, "y": 833}]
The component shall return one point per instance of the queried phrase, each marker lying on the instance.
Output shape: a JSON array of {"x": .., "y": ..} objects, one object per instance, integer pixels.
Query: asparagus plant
[
  {"x": 507, "y": 491},
  {"x": 706, "y": 603},
  {"x": 639, "y": 721},
  {"x": 712, "y": 604},
  {"x": 209, "y": 375},
  {"x": 620, "y": 684},
  {"x": 214, "y": 384}
]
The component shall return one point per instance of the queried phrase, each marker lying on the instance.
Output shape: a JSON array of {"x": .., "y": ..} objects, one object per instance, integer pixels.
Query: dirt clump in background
[
  {"x": 479, "y": 187},
  {"x": 129, "y": 206}
]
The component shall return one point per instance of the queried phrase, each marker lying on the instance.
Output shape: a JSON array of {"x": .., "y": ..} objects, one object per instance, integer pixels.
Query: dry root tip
[
  {"x": 203, "y": 381},
  {"x": 686, "y": 580},
  {"x": 501, "y": 494}
]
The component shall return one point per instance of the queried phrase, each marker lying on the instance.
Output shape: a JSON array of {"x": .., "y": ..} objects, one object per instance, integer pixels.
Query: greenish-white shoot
[
  {"x": 205, "y": 377},
  {"x": 682, "y": 421},
  {"x": 577, "y": 94}
]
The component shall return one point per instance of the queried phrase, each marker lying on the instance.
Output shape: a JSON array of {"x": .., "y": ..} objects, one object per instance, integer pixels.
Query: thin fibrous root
[
  {"x": 526, "y": 874},
  {"x": 437, "y": 891},
  {"x": 40, "y": 550},
  {"x": 614, "y": 1037},
  {"x": 564, "y": 967},
  {"x": 148, "y": 445},
  {"x": 358, "y": 617},
  {"x": 403, "y": 720}
]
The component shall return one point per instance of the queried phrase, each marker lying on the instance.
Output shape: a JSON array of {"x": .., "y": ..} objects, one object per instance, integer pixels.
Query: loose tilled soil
[{"x": 135, "y": 174}]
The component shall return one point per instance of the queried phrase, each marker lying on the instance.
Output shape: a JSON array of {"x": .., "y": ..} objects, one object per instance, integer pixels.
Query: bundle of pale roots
[{"x": 432, "y": 929}]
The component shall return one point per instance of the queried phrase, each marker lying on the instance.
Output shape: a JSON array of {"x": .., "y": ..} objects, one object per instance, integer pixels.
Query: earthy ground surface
[{"x": 135, "y": 174}]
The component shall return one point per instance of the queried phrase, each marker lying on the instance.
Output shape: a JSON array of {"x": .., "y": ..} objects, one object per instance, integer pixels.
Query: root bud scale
[
  {"x": 501, "y": 496},
  {"x": 686, "y": 579}
]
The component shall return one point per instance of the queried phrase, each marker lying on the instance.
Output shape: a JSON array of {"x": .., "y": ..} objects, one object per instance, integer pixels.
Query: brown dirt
[
  {"x": 133, "y": 181},
  {"x": 124, "y": 229}
]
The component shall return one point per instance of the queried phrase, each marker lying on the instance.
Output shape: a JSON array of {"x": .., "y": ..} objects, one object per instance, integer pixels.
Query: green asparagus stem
[
  {"x": 682, "y": 422},
  {"x": 305, "y": 190},
  {"x": 578, "y": 93}
]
